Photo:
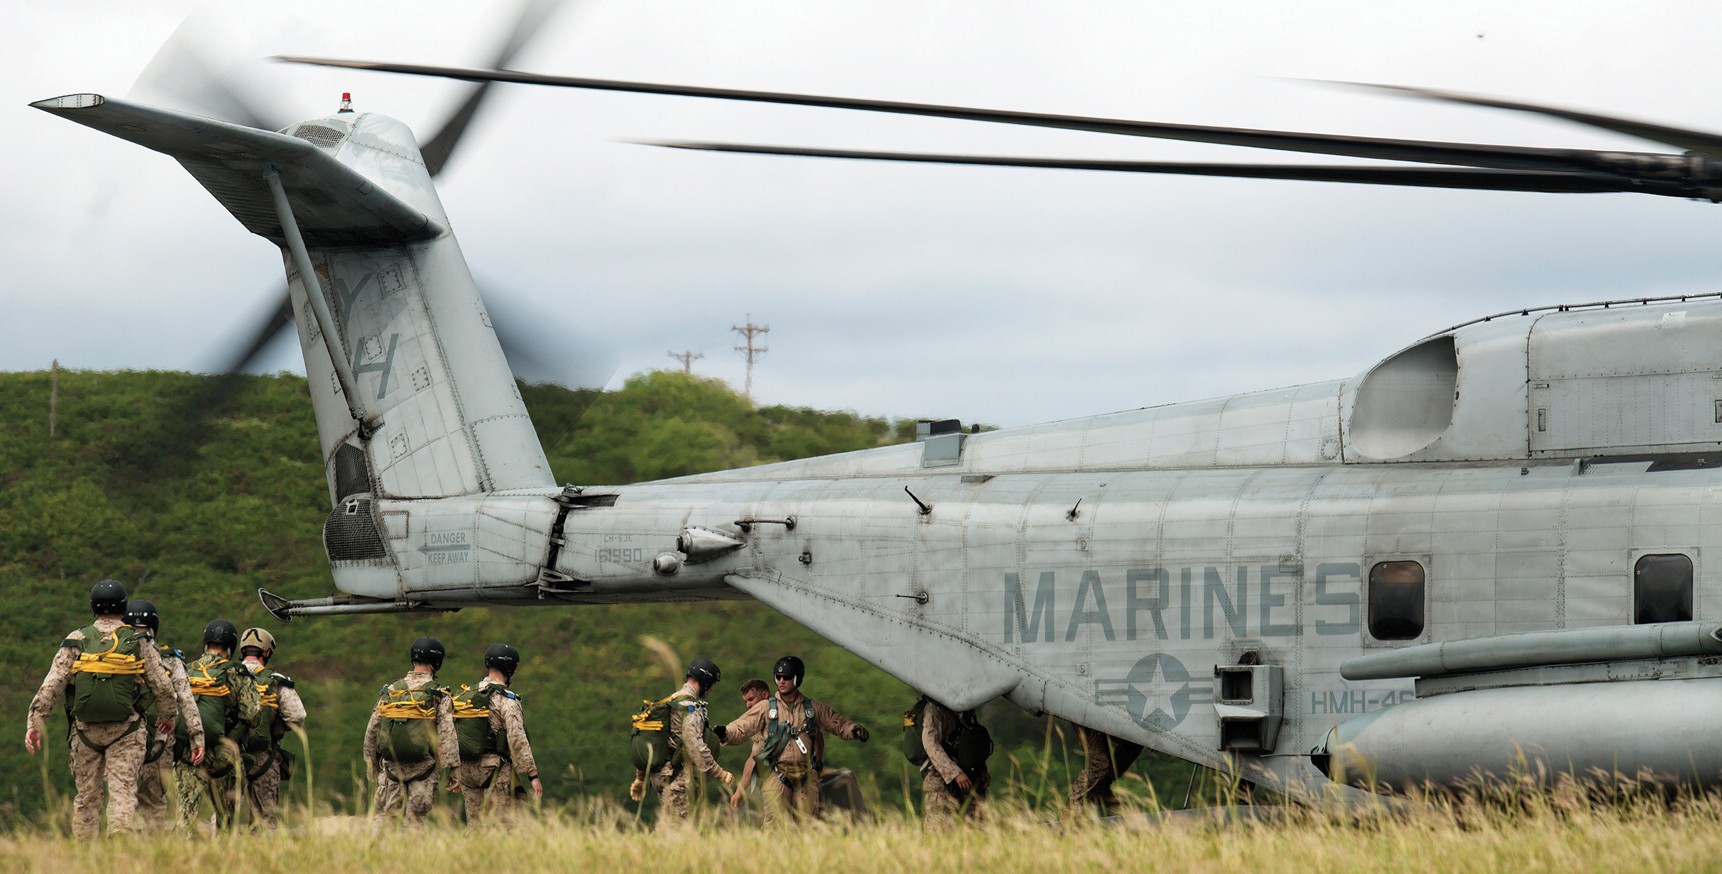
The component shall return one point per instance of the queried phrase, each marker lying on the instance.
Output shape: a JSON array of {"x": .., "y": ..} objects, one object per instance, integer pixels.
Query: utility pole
[
  {"x": 687, "y": 359},
  {"x": 751, "y": 352},
  {"x": 53, "y": 397}
]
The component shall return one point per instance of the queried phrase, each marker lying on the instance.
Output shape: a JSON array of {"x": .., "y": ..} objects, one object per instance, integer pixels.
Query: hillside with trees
[{"x": 195, "y": 496}]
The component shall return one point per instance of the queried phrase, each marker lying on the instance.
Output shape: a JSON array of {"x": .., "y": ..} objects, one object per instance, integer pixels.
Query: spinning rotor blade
[
  {"x": 1698, "y": 141},
  {"x": 1420, "y": 151},
  {"x": 263, "y": 332},
  {"x": 1424, "y": 177}
]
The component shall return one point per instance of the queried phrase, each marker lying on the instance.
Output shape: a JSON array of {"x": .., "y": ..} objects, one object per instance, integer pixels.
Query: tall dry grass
[{"x": 1520, "y": 828}]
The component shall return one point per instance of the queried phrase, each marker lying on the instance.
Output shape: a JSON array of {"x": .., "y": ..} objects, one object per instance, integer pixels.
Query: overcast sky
[{"x": 1000, "y": 295}]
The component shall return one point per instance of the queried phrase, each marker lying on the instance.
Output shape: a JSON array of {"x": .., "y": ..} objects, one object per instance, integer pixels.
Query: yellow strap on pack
[
  {"x": 407, "y": 710},
  {"x": 402, "y": 706},
  {"x": 641, "y": 720},
  {"x": 108, "y": 663},
  {"x": 268, "y": 698},
  {"x": 207, "y": 685},
  {"x": 465, "y": 709}
]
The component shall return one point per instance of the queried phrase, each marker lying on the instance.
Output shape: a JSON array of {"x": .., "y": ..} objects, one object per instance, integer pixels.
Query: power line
[
  {"x": 687, "y": 359},
  {"x": 751, "y": 352}
]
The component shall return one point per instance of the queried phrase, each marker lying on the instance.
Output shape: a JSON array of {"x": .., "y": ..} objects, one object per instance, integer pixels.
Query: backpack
[
  {"x": 913, "y": 749},
  {"x": 472, "y": 722},
  {"x": 266, "y": 734},
  {"x": 972, "y": 746},
  {"x": 409, "y": 722},
  {"x": 652, "y": 743},
  {"x": 209, "y": 678},
  {"x": 968, "y": 743},
  {"x": 107, "y": 683}
]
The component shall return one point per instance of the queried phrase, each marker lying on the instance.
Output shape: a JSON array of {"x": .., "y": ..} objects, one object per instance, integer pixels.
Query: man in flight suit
[
  {"x": 752, "y": 692},
  {"x": 793, "y": 728}
]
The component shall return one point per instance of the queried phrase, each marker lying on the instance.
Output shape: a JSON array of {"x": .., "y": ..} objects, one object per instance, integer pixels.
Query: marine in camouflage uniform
[
  {"x": 693, "y": 761},
  {"x": 1105, "y": 758},
  {"x": 407, "y": 790},
  {"x": 486, "y": 784},
  {"x": 211, "y": 772},
  {"x": 792, "y": 788},
  {"x": 109, "y": 753},
  {"x": 265, "y": 761},
  {"x": 947, "y": 791},
  {"x": 153, "y": 778}
]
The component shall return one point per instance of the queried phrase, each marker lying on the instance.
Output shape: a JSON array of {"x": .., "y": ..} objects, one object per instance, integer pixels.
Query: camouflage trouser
[
  {"x": 198, "y": 782},
  {"x": 788, "y": 799},
  {"x": 487, "y": 790},
  {"x": 405, "y": 792},
  {"x": 671, "y": 783},
  {"x": 940, "y": 806},
  {"x": 115, "y": 765},
  {"x": 263, "y": 788},
  {"x": 153, "y": 782},
  {"x": 1104, "y": 759}
]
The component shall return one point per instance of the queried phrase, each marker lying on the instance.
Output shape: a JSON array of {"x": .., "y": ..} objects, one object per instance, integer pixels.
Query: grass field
[{"x": 1521, "y": 834}]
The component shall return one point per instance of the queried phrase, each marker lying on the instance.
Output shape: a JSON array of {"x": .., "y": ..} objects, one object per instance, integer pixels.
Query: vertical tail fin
[{"x": 413, "y": 396}]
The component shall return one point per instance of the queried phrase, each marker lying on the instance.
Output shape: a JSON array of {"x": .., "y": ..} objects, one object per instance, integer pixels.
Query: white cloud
[{"x": 1006, "y": 296}]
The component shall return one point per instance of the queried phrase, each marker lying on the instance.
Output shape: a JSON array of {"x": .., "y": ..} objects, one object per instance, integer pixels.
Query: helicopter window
[
  {"x": 1662, "y": 589},
  {"x": 1396, "y": 600}
]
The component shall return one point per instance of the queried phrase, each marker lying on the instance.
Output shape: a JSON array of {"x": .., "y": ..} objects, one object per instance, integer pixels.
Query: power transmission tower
[
  {"x": 751, "y": 352},
  {"x": 687, "y": 359}
]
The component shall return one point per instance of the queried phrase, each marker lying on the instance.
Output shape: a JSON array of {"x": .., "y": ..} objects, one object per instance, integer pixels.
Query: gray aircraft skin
[{"x": 1486, "y": 551}]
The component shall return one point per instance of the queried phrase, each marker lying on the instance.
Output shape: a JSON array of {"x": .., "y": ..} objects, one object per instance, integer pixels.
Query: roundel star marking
[{"x": 1156, "y": 678}]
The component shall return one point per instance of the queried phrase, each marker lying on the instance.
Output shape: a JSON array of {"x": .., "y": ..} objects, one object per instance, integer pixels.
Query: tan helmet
[{"x": 259, "y": 638}]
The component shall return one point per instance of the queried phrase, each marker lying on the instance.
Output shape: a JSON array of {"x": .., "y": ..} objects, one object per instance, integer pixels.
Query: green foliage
[{"x": 197, "y": 512}]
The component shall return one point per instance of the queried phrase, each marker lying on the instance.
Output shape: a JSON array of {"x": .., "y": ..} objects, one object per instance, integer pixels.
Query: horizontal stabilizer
[{"x": 334, "y": 205}]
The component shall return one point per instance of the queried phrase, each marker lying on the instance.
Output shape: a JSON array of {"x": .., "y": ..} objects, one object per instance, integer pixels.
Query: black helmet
[
  {"x": 108, "y": 598},
  {"x": 704, "y": 672},
  {"x": 143, "y": 613},
  {"x": 427, "y": 650},
  {"x": 221, "y": 633},
  {"x": 790, "y": 666},
  {"x": 502, "y": 657}
]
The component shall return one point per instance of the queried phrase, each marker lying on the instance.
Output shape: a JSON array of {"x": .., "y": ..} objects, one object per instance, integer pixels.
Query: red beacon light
[{"x": 346, "y": 101}]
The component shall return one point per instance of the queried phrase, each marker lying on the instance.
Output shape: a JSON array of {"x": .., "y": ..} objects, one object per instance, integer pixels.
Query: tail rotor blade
[
  {"x": 441, "y": 146},
  {"x": 182, "y": 75}
]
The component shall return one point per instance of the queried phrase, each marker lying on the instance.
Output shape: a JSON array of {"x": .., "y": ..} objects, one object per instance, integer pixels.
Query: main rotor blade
[
  {"x": 1420, "y": 151},
  {"x": 440, "y": 147},
  {"x": 1708, "y": 144},
  {"x": 1423, "y": 177}
]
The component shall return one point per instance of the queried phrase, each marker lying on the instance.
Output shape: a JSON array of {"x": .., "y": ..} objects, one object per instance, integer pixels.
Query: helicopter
[{"x": 1483, "y": 550}]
